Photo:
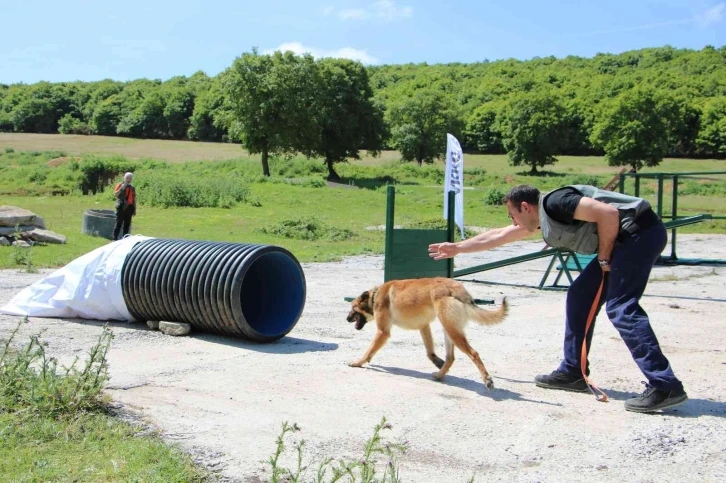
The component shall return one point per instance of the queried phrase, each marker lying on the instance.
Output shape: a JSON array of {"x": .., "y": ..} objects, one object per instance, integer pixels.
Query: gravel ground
[{"x": 224, "y": 399}]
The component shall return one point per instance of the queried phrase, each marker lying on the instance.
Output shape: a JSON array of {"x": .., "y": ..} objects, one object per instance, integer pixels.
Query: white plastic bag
[{"x": 89, "y": 287}]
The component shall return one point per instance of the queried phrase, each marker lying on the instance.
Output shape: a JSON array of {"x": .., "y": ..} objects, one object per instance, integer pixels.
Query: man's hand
[{"x": 440, "y": 251}]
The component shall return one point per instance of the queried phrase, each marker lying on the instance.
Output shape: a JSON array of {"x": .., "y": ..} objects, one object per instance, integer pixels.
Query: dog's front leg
[
  {"x": 449, "y": 358},
  {"x": 379, "y": 340},
  {"x": 428, "y": 341}
]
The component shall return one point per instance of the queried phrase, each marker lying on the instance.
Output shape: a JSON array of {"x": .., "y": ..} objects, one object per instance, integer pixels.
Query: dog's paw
[
  {"x": 489, "y": 382},
  {"x": 355, "y": 364},
  {"x": 437, "y": 361},
  {"x": 437, "y": 376}
]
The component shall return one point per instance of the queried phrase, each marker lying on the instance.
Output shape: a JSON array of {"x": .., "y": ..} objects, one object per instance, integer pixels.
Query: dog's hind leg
[
  {"x": 452, "y": 316},
  {"x": 428, "y": 341},
  {"x": 462, "y": 344},
  {"x": 379, "y": 341}
]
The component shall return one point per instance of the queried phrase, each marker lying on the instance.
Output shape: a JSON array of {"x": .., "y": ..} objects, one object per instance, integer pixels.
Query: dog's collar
[{"x": 373, "y": 295}]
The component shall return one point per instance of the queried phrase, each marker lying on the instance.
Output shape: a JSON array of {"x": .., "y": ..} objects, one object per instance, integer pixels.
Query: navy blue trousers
[{"x": 631, "y": 263}]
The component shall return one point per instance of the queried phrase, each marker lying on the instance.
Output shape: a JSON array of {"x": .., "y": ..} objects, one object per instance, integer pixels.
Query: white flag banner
[{"x": 454, "y": 181}]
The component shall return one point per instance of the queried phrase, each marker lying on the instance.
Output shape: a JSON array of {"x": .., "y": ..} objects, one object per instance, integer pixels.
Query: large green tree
[
  {"x": 482, "y": 130},
  {"x": 635, "y": 128},
  {"x": 712, "y": 136},
  {"x": 345, "y": 115},
  {"x": 272, "y": 98},
  {"x": 419, "y": 124},
  {"x": 532, "y": 126}
]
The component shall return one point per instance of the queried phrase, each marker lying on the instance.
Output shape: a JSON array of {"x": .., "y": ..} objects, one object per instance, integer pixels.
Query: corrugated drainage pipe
[{"x": 256, "y": 292}]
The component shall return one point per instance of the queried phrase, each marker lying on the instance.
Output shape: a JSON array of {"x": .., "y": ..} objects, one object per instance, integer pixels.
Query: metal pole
[
  {"x": 388, "y": 258},
  {"x": 660, "y": 194},
  {"x": 451, "y": 227},
  {"x": 637, "y": 185},
  {"x": 675, "y": 217},
  {"x": 621, "y": 185}
]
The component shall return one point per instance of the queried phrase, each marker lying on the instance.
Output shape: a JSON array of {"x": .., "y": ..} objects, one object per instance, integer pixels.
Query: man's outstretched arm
[{"x": 483, "y": 241}]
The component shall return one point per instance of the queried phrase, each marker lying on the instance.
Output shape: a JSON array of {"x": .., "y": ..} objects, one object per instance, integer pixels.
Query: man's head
[
  {"x": 523, "y": 206},
  {"x": 128, "y": 178}
]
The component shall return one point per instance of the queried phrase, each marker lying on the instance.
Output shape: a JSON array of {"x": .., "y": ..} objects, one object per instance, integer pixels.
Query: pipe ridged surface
[{"x": 256, "y": 292}]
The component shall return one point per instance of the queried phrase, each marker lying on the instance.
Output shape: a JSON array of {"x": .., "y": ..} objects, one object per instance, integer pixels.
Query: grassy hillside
[{"x": 294, "y": 208}]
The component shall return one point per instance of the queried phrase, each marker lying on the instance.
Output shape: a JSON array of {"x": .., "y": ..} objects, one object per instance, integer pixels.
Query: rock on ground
[
  {"x": 12, "y": 215},
  {"x": 174, "y": 328},
  {"x": 45, "y": 236}
]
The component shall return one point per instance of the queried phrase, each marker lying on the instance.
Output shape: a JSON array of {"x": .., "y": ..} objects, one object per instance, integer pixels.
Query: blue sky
[{"x": 95, "y": 39}]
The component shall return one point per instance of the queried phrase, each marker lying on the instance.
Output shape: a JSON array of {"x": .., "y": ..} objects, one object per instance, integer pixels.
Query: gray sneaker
[
  {"x": 654, "y": 399},
  {"x": 560, "y": 380}
]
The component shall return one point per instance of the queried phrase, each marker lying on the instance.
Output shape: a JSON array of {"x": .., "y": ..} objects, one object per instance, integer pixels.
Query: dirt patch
[
  {"x": 224, "y": 399},
  {"x": 55, "y": 162},
  {"x": 333, "y": 184}
]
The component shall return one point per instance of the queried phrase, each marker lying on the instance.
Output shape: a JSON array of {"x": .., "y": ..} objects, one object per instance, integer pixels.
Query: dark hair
[{"x": 521, "y": 193}]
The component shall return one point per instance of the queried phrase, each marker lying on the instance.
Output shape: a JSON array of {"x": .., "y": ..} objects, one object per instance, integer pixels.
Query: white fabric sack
[{"x": 89, "y": 287}]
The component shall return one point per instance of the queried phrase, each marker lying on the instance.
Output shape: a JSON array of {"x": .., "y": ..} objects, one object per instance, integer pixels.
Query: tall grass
[
  {"x": 54, "y": 425},
  {"x": 32, "y": 382}
]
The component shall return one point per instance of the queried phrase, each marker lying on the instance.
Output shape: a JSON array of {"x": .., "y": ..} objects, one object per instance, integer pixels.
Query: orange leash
[{"x": 583, "y": 355}]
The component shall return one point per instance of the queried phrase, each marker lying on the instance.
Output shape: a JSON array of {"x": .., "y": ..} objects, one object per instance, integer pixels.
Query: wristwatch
[{"x": 603, "y": 262}]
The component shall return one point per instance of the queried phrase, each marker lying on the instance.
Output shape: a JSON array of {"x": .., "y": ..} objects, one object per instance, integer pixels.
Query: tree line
[{"x": 634, "y": 108}]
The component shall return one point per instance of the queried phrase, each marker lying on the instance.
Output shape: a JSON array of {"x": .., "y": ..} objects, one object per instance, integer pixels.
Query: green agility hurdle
[
  {"x": 676, "y": 221},
  {"x": 576, "y": 261},
  {"x": 406, "y": 251}
]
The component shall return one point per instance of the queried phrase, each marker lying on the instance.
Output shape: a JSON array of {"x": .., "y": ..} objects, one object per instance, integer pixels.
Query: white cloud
[
  {"x": 712, "y": 15},
  {"x": 704, "y": 20},
  {"x": 354, "y": 14},
  {"x": 386, "y": 10},
  {"x": 346, "y": 52}
]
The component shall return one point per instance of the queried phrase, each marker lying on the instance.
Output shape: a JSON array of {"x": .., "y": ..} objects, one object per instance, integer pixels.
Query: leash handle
[{"x": 583, "y": 356}]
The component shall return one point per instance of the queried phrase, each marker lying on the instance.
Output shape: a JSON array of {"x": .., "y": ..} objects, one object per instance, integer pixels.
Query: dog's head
[{"x": 361, "y": 310}]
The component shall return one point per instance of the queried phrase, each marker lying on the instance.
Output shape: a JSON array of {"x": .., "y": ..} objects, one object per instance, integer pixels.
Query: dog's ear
[{"x": 365, "y": 296}]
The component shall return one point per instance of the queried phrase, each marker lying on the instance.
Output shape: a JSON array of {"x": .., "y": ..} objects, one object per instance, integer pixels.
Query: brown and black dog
[{"x": 413, "y": 304}]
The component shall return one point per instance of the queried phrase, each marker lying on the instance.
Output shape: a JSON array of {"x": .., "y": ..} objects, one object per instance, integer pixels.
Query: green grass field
[{"x": 295, "y": 195}]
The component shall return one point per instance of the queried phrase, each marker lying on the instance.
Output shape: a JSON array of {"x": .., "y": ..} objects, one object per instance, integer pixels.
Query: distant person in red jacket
[{"x": 125, "y": 194}]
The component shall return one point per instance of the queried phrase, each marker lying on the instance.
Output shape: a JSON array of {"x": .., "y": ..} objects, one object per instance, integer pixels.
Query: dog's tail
[{"x": 488, "y": 317}]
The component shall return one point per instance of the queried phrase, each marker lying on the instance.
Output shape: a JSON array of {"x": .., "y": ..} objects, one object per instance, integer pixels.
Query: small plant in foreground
[
  {"x": 33, "y": 383},
  {"x": 367, "y": 469}
]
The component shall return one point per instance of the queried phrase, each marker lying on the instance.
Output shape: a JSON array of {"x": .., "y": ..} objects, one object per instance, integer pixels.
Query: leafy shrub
[
  {"x": 494, "y": 196},
  {"x": 9, "y": 150},
  {"x": 23, "y": 256},
  {"x": 33, "y": 382},
  {"x": 295, "y": 168},
  {"x": 307, "y": 228},
  {"x": 165, "y": 190},
  {"x": 98, "y": 173},
  {"x": 71, "y": 125},
  {"x": 37, "y": 176}
]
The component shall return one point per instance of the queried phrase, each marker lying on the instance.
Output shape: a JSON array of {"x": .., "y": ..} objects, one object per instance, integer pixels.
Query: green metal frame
[
  {"x": 406, "y": 254},
  {"x": 675, "y": 222}
]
